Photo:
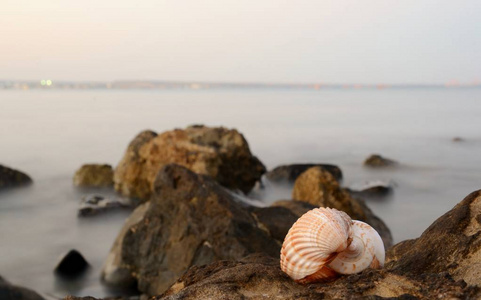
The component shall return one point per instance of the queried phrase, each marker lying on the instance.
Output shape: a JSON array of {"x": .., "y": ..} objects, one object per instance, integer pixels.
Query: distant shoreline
[{"x": 180, "y": 85}]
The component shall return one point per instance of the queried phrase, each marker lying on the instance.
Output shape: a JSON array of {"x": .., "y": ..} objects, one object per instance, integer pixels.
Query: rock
[
  {"x": 12, "y": 292},
  {"x": 372, "y": 190},
  {"x": 12, "y": 178},
  {"x": 72, "y": 264},
  {"x": 296, "y": 207},
  {"x": 95, "y": 204},
  {"x": 277, "y": 220},
  {"x": 318, "y": 187},
  {"x": 94, "y": 175},
  {"x": 377, "y": 161},
  {"x": 191, "y": 220},
  {"x": 289, "y": 173},
  {"x": 218, "y": 152},
  {"x": 458, "y": 139},
  {"x": 451, "y": 244},
  {"x": 260, "y": 277}
]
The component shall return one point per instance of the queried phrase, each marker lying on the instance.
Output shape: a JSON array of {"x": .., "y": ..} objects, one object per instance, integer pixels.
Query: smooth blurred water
[{"x": 49, "y": 134}]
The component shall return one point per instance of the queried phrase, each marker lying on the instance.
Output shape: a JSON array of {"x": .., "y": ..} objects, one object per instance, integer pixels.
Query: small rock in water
[
  {"x": 12, "y": 178},
  {"x": 458, "y": 139},
  {"x": 94, "y": 204},
  {"x": 289, "y": 173},
  {"x": 372, "y": 189},
  {"x": 377, "y": 161},
  {"x": 94, "y": 175},
  {"x": 72, "y": 264}
]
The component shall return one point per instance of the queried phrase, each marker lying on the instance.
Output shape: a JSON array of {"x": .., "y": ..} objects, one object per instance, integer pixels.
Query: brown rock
[
  {"x": 94, "y": 175},
  {"x": 191, "y": 220},
  {"x": 377, "y": 161},
  {"x": 260, "y": 277},
  {"x": 318, "y": 187},
  {"x": 12, "y": 178},
  {"x": 218, "y": 152},
  {"x": 289, "y": 173},
  {"x": 451, "y": 244}
]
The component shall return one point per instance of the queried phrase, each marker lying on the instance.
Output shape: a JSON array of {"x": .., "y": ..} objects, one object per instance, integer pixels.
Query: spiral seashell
[{"x": 325, "y": 242}]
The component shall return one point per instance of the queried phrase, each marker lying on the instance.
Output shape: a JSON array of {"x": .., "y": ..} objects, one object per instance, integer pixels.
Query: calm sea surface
[{"x": 49, "y": 134}]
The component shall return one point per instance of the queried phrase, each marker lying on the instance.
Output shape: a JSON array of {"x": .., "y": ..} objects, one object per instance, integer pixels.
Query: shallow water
[{"x": 49, "y": 134}]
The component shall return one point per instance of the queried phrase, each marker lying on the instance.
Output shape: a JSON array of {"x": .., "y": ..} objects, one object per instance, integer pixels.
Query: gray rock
[
  {"x": 12, "y": 292},
  {"x": 95, "y": 204}
]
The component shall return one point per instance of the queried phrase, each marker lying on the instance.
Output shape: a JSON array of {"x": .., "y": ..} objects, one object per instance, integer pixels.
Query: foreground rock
[
  {"x": 377, "y": 161},
  {"x": 94, "y": 175},
  {"x": 451, "y": 244},
  {"x": 289, "y": 173},
  {"x": 12, "y": 292},
  {"x": 12, "y": 178},
  {"x": 318, "y": 187},
  {"x": 190, "y": 220},
  {"x": 218, "y": 152}
]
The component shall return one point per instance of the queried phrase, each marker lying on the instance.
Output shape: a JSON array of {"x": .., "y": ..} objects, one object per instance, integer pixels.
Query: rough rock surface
[
  {"x": 451, "y": 244},
  {"x": 12, "y": 292},
  {"x": 377, "y": 161},
  {"x": 12, "y": 178},
  {"x": 94, "y": 175},
  {"x": 289, "y": 173},
  {"x": 318, "y": 187},
  {"x": 297, "y": 207},
  {"x": 191, "y": 220},
  {"x": 218, "y": 152},
  {"x": 260, "y": 277}
]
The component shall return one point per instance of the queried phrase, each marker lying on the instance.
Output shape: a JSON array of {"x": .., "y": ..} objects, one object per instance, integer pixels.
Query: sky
[{"x": 302, "y": 41}]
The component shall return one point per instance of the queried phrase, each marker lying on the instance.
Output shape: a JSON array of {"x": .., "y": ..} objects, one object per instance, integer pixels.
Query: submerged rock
[
  {"x": 190, "y": 220},
  {"x": 372, "y": 190},
  {"x": 377, "y": 161},
  {"x": 218, "y": 152},
  {"x": 289, "y": 173},
  {"x": 318, "y": 187},
  {"x": 72, "y": 264},
  {"x": 11, "y": 292},
  {"x": 12, "y": 178},
  {"x": 95, "y": 204},
  {"x": 94, "y": 175}
]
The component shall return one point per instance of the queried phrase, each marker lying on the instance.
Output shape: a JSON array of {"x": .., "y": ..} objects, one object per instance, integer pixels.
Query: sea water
[{"x": 50, "y": 134}]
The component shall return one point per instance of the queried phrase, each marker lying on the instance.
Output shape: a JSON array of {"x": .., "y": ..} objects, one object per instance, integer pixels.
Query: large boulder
[
  {"x": 318, "y": 187},
  {"x": 94, "y": 175},
  {"x": 12, "y": 292},
  {"x": 12, "y": 178},
  {"x": 260, "y": 277},
  {"x": 289, "y": 173},
  {"x": 451, "y": 244},
  {"x": 218, "y": 152},
  {"x": 191, "y": 220}
]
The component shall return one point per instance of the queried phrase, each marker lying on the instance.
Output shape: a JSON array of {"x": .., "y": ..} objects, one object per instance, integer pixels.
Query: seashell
[{"x": 325, "y": 242}]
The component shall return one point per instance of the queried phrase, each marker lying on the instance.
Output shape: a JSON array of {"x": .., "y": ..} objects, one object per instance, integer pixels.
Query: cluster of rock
[{"x": 195, "y": 237}]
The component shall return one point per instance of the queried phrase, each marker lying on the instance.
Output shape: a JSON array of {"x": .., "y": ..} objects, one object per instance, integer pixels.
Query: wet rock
[
  {"x": 191, "y": 220},
  {"x": 318, "y": 187},
  {"x": 451, "y": 244},
  {"x": 218, "y": 152},
  {"x": 289, "y": 173},
  {"x": 95, "y": 204},
  {"x": 372, "y": 190},
  {"x": 12, "y": 292},
  {"x": 12, "y": 178},
  {"x": 72, "y": 264},
  {"x": 377, "y": 161},
  {"x": 260, "y": 277},
  {"x": 94, "y": 175}
]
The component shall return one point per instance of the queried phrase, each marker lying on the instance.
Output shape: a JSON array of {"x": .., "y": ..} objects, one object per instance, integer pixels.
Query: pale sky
[{"x": 303, "y": 41}]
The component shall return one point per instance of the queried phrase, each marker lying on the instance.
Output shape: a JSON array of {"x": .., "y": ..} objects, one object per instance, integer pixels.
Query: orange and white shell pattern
[{"x": 325, "y": 242}]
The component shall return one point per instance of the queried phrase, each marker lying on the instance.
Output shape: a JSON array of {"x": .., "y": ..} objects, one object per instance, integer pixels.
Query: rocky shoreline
[{"x": 195, "y": 235}]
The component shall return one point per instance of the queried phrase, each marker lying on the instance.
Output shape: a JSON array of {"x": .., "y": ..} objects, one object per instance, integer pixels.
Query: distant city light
[
  {"x": 49, "y": 82},
  {"x": 43, "y": 82}
]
